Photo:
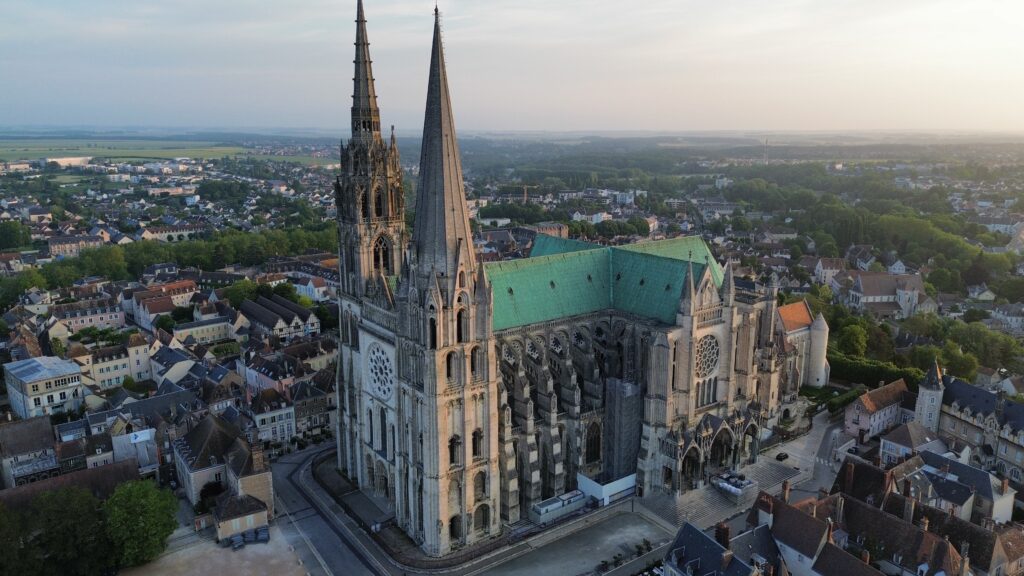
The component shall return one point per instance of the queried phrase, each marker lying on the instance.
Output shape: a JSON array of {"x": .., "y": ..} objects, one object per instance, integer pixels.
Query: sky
[{"x": 520, "y": 65}]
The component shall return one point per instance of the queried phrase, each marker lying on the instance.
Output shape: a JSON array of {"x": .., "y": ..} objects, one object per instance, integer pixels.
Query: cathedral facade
[{"x": 471, "y": 392}]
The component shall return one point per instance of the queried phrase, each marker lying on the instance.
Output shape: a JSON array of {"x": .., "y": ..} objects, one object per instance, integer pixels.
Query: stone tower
[
  {"x": 446, "y": 345},
  {"x": 368, "y": 191},
  {"x": 818, "y": 360},
  {"x": 929, "y": 398}
]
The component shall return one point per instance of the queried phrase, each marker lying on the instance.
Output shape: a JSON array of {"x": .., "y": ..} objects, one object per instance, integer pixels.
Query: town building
[
  {"x": 27, "y": 451},
  {"x": 72, "y": 246},
  {"x": 43, "y": 386},
  {"x": 879, "y": 410}
]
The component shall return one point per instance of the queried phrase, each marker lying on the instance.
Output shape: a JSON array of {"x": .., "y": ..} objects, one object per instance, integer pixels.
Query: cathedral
[{"x": 470, "y": 393}]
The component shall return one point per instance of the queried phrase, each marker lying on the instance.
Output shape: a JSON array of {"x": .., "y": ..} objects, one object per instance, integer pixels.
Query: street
[
  {"x": 310, "y": 526},
  {"x": 330, "y": 543}
]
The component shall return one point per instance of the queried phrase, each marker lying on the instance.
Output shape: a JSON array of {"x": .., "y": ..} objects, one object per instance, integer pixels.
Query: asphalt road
[{"x": 324, "y": 547}]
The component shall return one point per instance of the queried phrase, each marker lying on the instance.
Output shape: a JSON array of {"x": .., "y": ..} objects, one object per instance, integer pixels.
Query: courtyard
[{"x": 274, "y": 558}]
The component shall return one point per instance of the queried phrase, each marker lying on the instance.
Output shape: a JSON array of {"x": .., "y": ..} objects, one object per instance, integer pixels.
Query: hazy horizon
[{"x": 572, "y": 67}]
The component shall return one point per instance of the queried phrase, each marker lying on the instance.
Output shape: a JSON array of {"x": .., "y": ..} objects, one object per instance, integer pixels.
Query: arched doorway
[
  {"x": 482, "y": 519},
  {"x": 455, "y": 529},
  {"x": 720, "y": 455}
]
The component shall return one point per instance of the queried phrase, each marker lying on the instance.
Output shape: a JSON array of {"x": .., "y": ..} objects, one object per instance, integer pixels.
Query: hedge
[{"x": 870, "y": 372}]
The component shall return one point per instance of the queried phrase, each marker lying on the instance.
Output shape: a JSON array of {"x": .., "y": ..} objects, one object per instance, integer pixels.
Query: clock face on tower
[{"x": 382, "y": 372}]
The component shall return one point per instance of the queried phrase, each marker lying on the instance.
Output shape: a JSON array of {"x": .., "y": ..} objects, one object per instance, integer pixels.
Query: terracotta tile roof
[
  {"x": 796, "y": 316},
  {"x": 883, "y": 396}
]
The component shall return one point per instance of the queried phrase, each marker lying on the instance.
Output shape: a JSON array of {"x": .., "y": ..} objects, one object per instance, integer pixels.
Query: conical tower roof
[
  {"x": 934, "y": 377},
  {"x": 441, "y": 231}
]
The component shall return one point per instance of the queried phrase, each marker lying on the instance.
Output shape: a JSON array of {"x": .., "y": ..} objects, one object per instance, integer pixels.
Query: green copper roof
[
  {"x": 686, "y": 248},
  {"x": 571, "y": 278},
  {"x": 544, "y": 245}
]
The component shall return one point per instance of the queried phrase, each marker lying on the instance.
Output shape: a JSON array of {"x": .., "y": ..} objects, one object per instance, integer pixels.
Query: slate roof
[
  {"x": 911, "y": 435},
  {"x": 647, "y": 279},
  {"x": 982, "y": 402},
  {"x": 230, "y": 506},
  {"x": 151, "y": 408},
  {"x": 835, "y": 561},
  {"x": 696, "y": 551},
  {"x": 982, "y": 543},
  {"x": 796, "y": 529},
  {"x": 978, "y": 479},
  {"x": 24, "y": 436},
  {"x": 894, "y": 536},
  {"x": 208, "y": 443}
]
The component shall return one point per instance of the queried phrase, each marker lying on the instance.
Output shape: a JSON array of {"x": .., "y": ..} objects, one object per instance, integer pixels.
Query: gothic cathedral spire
[
  {"x": 442, "y": 238},
  {"x": 365, "y": 114},
  {"x": 368, "y": 191}
]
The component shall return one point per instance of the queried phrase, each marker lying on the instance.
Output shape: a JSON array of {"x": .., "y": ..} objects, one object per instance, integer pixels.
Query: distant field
[{"x": 30, "y": 149}]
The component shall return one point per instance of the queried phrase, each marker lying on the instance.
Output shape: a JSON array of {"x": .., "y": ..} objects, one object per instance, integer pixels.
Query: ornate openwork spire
[{"x": 365, "y": 114}]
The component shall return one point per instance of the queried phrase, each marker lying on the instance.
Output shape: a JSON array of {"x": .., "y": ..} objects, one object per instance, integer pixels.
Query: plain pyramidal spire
[
  {"x": 365, "y": 114},
  {"x": 441, "y": 232}
]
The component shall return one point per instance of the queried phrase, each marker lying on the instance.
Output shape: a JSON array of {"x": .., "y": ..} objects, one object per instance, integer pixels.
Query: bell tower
[
  {"x": 368, "y": 190},
  {"x": 446, "y": 341}
]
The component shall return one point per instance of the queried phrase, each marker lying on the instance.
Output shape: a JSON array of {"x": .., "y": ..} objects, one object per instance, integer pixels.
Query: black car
[{"x": 781, "y": 456}]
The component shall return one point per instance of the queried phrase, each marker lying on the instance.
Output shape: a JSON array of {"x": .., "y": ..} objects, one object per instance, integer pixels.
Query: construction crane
[{"x": 526, "y": 196}]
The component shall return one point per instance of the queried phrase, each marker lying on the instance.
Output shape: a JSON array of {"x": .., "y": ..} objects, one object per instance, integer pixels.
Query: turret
[{"x": 817, "y": 363}]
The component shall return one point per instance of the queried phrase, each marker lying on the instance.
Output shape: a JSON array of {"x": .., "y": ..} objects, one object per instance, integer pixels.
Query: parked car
[{"x": 781, "y": 456}]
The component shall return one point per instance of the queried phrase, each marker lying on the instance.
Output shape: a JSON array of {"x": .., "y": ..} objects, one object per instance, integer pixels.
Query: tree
[
  {"x": 240, "y": 292},
  {"x": 18, "y": 556},
  {"x": 853, "y": 341},
  {"x": 641, "y": 225},
  {"x": 976, "y": 315},
  {"x": 165, "y": 323},
  {"x": 182, "y": 314},
  {"x": 286, "y": 290},
  {"x": 140, "y": 517},
  {"x": 14, "y": 235},
  {"x": 65, "y": 527}
]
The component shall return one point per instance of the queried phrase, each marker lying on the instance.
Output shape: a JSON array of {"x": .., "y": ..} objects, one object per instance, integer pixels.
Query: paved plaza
[{"x": 581, "y": 551}]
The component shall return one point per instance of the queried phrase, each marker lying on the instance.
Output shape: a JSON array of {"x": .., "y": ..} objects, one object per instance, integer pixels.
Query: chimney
[
  {"x": 722, "y": 534},
  {"x": 848, "y": 482},
  {"x": 769, "y": 569},
  {"x": 865, "y": 556},
  {"x": 726, "y": 559},
  {"x": 840, "y": 502},
  {"x": 906, "y": 487},
  {"x": 831, "y": 528},
  {"x": 924, "y": 523},
  {"x": 785, "y": 491},
  {"x": 908, "y": 509},
  {"x": 952, "y": 510},
  {"x": 1005, "y": 487},
  {"x": 259, "y": 464}
]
